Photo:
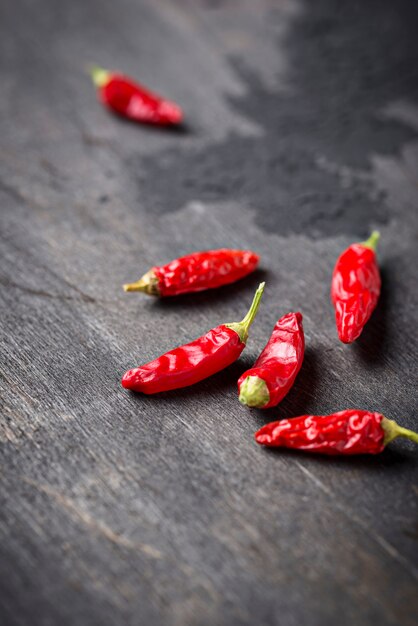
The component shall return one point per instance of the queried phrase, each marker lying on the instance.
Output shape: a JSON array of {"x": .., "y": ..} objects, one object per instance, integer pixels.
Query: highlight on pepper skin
[
  {"x": 355, "y": 288},
  {"x": 196, "y": 272},
  {"x": 195, "y": 361},
  {"x": 127, "y": 98},
  {"x": 274, "y": 372},
  {"x": 347, "y": 432}
]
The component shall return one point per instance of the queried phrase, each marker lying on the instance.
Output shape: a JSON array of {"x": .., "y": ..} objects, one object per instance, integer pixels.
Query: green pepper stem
[
  {"x": 241, "y": 328},
  {"x": 393, "y": 430},
  {"x": 139, "y": 285},
  {"x": 147, "y": 284},
  {"x": 254, "y": 392},
  {"x": 99, "y": 75},
  {"x": 372, "y": 241}
]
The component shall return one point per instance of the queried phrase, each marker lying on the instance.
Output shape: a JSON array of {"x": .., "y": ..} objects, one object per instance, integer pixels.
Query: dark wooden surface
[{"x": 302, "y": 136}]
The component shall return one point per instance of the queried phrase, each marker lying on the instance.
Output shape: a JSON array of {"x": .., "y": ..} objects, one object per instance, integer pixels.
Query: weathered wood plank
[{"x": 123, "y": 509}]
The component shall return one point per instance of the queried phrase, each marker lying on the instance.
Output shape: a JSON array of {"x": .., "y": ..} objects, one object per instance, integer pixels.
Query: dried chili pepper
[
  {"x": 196, "y": 272},
  {"x": 275, "y": 370},
  {"x": 346, "y": 432},
  {"x": 355, "y": 288},
  {"x": 194, "y": 361},
  {"x": 129, "y": 99}
]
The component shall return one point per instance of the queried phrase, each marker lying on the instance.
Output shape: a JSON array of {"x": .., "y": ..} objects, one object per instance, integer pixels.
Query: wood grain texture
[{"x": 302, "y": 136}]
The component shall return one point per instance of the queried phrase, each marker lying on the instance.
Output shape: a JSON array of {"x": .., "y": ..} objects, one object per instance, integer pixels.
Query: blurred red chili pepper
[
  {"x": 346, "y": 432},
  {"x": 131, "y": 100},
  {"x": 197, "y": 360},
  {"x": 196, "y": 272},
  {"x": 275, "y": 370},
  {"x": 355, "y": 288}
]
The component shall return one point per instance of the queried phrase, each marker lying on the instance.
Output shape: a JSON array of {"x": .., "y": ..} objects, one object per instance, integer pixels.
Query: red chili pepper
[
  {"x": 274, "y": 372},
  {"x": 346, "y": 432},
  {"x": 196, "y": 272},
  {"x": 197, "y": 360},
  {"x": 355, "y": 288},
  {"x": 129, "y": 99}
]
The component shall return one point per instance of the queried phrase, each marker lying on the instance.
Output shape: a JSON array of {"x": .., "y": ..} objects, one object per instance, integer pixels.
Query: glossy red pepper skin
[
  {"x": 187, "y": 364},
  {"x": 355, "y": 289},
  {"x": 197, "y": 272},
  {"x": 343, "y": 433},
  {"x": 194, "y": 361},
  {"x": 278, "y": 364},
  {"x": 133, "y": 101}
]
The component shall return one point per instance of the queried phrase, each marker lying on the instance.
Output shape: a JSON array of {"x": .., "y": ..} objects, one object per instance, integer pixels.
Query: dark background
[{"x": 302, "y": 136}]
